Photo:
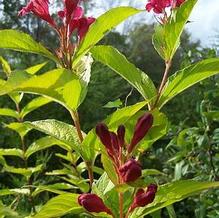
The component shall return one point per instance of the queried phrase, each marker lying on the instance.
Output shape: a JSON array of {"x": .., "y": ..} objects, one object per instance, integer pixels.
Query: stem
[
  {"x": 75, "y": 118},
  {"x": 164, "y": 80},
  {"x": 90, "y": 173},
  {"x": 31, "y": 200}
]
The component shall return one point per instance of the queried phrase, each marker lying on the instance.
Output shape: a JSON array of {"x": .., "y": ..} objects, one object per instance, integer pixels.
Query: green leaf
[
  {"x": 50, "y": 84},
  {"x": 41, "y": 144},
  {"x": 34, "y": 69},
  {"x": 2, "y": 82},
  {"x": 212, "y": 115},
  {"x": 109, "y": 168},
  {"x": 105, "y": 189},
  {"x": 171, "y": 193},
  {"x": 60, "y": 206},
  {"x": 171, "y": 211},
  {"x": 33, "y": 105},
  {"x": 27, "y": 172},
  {"x": 19, "y": 41},
  {"x": 5, "y": 66},
  {"x": 62, "y": 131},
  {"x": 187, "y": 77},
  {"x": 11, "y": 152},
  {"x": 102, "y": 25},
  {"x": 151, "y": 172},
  {"x": 8, "y": 112},
  {"x": 113, "y": 104},
  {"x": 166, "y": 38},
  {"x": 7, "y": 212},
  {"x": 21, "y": 128},
  {"x": 57, "y": 188},
  {"x": 72, "y": 94},
  {"x": 16, "y": 97},
  {"x": 16, "y": 191},
  {"x": 118, "y": 62}
]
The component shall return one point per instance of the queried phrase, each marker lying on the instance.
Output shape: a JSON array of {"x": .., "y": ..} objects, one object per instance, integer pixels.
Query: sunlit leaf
[{"x": 19, "y": 41}]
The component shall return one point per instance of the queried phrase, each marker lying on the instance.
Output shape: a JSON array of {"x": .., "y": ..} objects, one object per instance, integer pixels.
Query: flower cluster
[
  {"x": 72, "y": 20},
  {"x": 160, "y": 7},
  {"x": 72, "y": 16},
  {"x": 127, "y": 168},
  {"x": 94, "y": 204}
]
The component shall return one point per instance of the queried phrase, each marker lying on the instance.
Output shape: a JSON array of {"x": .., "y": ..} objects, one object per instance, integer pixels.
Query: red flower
[
  {"x": 83, "y": 26},
  {"x": 158, "y": 6},
  {"x": 130, "y": 171},
  {"x": 143, "y": 198},
  {"x": 92, "y": 203},
  {"x": 73, "y": 17},
  {"x": 144, "y": 123},
  {"x": 70, "y": 8},
  {"x": 40, "y": 8}
]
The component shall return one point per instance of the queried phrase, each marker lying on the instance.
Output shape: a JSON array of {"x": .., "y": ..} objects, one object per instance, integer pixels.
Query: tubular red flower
[
  {"x": 70, "y": 7},
  {"x": 158, "y": 6},
  {"x": 74, "y": 23},
  {"x": 130, "y": 171},
  {"x": 40, "y": 8},
  {"x": 92, "y": 203},
  {"x": 144, "y": 123},
  {"x": 143, "y": 198}
]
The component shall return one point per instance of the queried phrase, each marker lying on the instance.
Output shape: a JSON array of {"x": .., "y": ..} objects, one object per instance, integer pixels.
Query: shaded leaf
[
  {"x": 33, "y": 105},
  {"x": 8, "y": 112},
  {"x": 42, "y": 144}
]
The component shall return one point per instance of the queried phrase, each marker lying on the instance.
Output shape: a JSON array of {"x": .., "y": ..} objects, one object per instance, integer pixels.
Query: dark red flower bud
[
  {"x": 121, "y": 135},
  {"x": 143, "y": 198},
  {"x": 92, "y": 203},
  {"x": 104, "y": 135},
  {"x": 143, "y": 125},
  {"x": 115, "y": 143},
  {"x": 130, "y": 171}
]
